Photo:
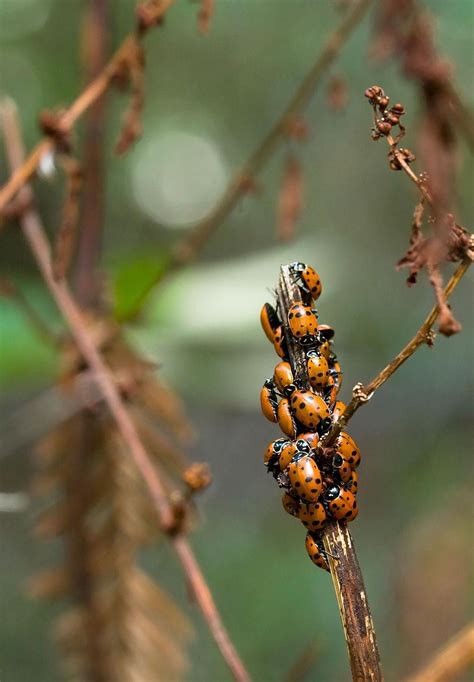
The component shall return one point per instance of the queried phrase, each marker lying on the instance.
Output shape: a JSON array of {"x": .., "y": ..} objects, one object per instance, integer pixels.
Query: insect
[
  {"x": 290, "y": 504},
  {"x": 341, "y": 503},
  {"x": 339, "y": 409},
  {"x": 353, "y": 483},
  {"x": 285, "y": 418},
  {"x": 280, "y": 343},
  {"x": 311, "y": 438},
  {"x": 283, "y": 378},
  {"x": 309, "y": 279},
  {"x": 348, "y": 449},
  {"x": 272, "y": 453},
  {"x": 269, "y": 400},
  {"x": 302, "y": 322},
  {"x": 342, "y": 467},
  {"x": 318, "y": 370},
  {"x": 293, "y": 450},
  {"x": 305, "y": 478},
  {"x": 269, "y": 321},
  {"x": 312, "y": 515},
  {"x": 315, "y": 549},
  {"x": 309, "y": 409}
]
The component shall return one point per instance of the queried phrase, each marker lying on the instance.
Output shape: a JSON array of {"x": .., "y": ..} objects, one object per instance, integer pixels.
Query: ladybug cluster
[{"x": 319, "y": 484}]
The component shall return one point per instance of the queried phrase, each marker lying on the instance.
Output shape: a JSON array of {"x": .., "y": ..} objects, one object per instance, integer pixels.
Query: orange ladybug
[
  {"x": 309, "y": 279},
  {"x": 311, "y": 438},
  {"x": 305, "y": 478},
  {"x": 315, "y": 549},
  {"x": 343, "y": 468},
  {"x": 292, "y": 449},
  {"x": 283, "y": 378},
  {"x": 339, "y": 409},
  {"x": 279, "y": 344},
  {"x": 286, "y": 419},
  {"x": 348, "y": 449},
  {"x": 290, "y": 505},
  {"x": 353, "y": 483},
  {"x": 309, "y": 409},
  {"x": 312, "y": 515},
  {"x": 272, "y": 453},
  {"x": 318, "y": 370},
  {"x": 302, "y": 321},
  {"x": 269, "y": 400},
  {"x": 341, "y": 503},
  {"x": 269, "y": 321}
]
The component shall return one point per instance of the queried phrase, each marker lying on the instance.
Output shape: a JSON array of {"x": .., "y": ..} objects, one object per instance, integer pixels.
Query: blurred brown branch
[
  {"x": 148, "y": 14},
  {"x": 189, "y": 247},
  {"x": 40, "y": 248},
  {"x": 363, "y": 393},
  {"x": 347, "y": 577},
  {"x": 450, "y": 661}
]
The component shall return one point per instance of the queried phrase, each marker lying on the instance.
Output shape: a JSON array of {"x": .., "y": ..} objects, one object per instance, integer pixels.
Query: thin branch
[
  {"x": 188, "y": 248},
  {"x": 450, "y": 661},
  {"x": 41, "y": 250},
  {"x": 154, "y": 11},
  {"x": 345, "y": 570},
  {"x": 95, "y": 50},
  {"x": 362, "y": 394}
]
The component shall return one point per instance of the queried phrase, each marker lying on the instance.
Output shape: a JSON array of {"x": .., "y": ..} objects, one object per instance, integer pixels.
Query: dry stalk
[
  {"x": 41, "y": 251},
  {"x": 345, "y": 570},
  {"x": 148, "y": 14},
  {"x": 189, "y": 247},
  {"x": 451, "y": 661}
]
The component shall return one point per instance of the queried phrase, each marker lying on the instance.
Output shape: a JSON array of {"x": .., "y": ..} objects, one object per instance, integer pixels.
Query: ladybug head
[
  {"x": 325, "y": 332},
  {"x": 332, "y": 492},
  {"x": 297, "y": 266},
  {"x": 337, "y": 461}
]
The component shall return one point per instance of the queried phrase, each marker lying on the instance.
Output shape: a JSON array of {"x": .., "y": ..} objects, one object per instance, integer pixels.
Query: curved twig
[{"x": 347, "y": 577}]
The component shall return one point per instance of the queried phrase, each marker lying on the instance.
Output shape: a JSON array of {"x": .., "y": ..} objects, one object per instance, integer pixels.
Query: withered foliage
[
  {"x": 131, "y": 72},
  {"x": 448, "y": 241},
  {"x": 66, "y": 237},
  {"x": 337, "y": 93},
  {"x": 206, "y": 10},
  {"x": 121, "y": 625}
]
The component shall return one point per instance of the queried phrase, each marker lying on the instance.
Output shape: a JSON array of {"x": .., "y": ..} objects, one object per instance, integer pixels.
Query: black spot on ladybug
[
  {"x": 302, "y": 406},
  {"x": 308, "y": 479}
]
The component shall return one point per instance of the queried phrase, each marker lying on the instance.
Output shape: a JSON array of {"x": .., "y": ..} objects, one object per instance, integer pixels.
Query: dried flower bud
[
  {"x": 392, "y": 118},
  {"x": 383, "y": 102},
  {"x": 375, "y": 134},
  {"x": 398, "y": 109},
  {"x": 374, "y": 92},
  {"x": 197, "y": 476},
  {"x": 384, "y": 127},
  {"x": 408, "y": 155}
]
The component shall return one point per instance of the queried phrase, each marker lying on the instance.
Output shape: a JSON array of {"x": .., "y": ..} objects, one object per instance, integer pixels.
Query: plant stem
[
  {"x": 347, "y": 577},
  {"x": 80, "y": 105},
  {"x": 41, "y": 251}
]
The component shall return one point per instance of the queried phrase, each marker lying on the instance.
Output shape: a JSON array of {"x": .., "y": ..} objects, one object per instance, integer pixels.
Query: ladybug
[
  {"x": 339, "y": 409},
  {"x": 305, "y": 478},
  {"x": 283, "y": 378},
  {"x": 269, "y": 400},
  {"x": 286, "y": 419},
  {"x": 336, "y": 376},
  {"x": 269, "y": 321},
  {"x": 290, "y": 505},
  {"x": 332, "y": 389},
  {"x": 293, "y": 450},
  {"x": 311, "y": 438},
  {"x": 342, "y": 467},
  {"x": 312, "y": 515},
  {"x": 273, "y": 451},
  {"x": 309, "y": 279},
  {"x": 341, "y": 503},
  {"x": 280, "y": 343},
  {"x": 315, "y": 549},
  {"x": 325, "y": 350},
  {"x": 318, "y": 370},
  {"x": 302, "y": 321},
  {"x": 325, "y": 332},
  {"x": 353, "y": 483},
  {"x": 309, "y": 409},
  {"x": 348, "y": 449}
]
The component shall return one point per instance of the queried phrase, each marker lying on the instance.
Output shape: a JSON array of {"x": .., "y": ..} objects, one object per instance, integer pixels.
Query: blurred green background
[{"x": 209, "y": 100}]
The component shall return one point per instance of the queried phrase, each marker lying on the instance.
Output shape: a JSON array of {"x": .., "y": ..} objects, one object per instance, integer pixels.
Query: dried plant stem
[
  {"x": 156, "y": 9},
  {"x": 362, "y": 394},
  {"x": 348, "y": 582},
  {"x": 406, "y": 169},
  {"x": 190, "y": 246},
  {"x": 451, "y": 661},
  {"x": 41, "y": 250}
]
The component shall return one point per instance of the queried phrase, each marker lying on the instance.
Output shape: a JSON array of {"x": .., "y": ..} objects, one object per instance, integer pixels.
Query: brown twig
[
  {"x": 153, "y": 10},
  {"x": 95, "y": 51},
  {"x": 345, "y": 570},
  {"x": 450, "y": 661},
  {"x": 424, "y": 335},
  {"x": 41, "y": 250},
  {"x": 188, "y": 248},
  {"x": 67, "y": 233}
]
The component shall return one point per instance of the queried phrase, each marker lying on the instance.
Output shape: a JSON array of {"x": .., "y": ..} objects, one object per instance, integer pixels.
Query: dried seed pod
[
  {"x": 383, "y": 102},
  {"x": 384, "y": 127}
]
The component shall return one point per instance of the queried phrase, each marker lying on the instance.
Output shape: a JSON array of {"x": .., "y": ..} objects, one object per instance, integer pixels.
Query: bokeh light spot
[{"x": 178, "y": 177}]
